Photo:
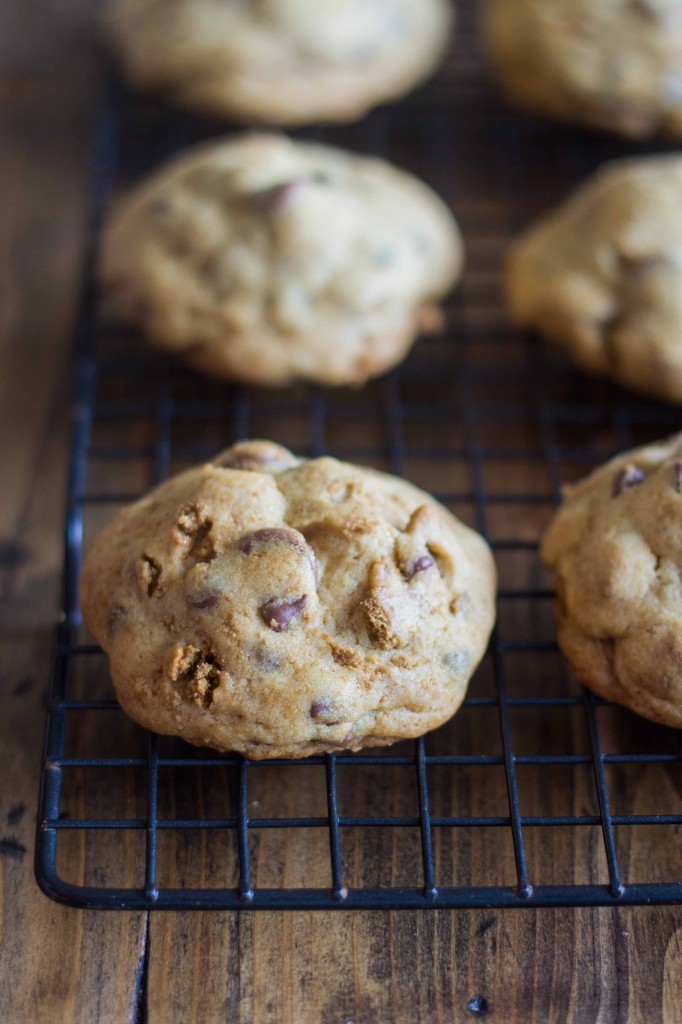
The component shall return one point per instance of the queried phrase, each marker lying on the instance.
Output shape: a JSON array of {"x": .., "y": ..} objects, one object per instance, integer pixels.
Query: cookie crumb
[
  {"x": 149, "y": 574},
  {"x": 379, "y": 625},
  {"x": 343, "y": 655},
  {"x": 196, "y": 673},
  {"x": 194, "y": 526}
]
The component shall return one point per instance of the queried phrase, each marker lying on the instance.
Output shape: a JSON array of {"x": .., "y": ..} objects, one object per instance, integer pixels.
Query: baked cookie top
[
  {"x": 268, "y": 260},
  {"x": 615, "y": 547},
  {"x": 281, "y": 607},
  {"x": 612, "y": 64},
  {"x": 281, "y": 62},
  {"x": 602, "y": 275}
]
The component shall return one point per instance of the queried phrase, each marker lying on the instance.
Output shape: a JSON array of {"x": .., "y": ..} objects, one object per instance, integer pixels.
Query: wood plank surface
[
  {"x": 57, "y": 964},
  {"x": 604, "y": 966}
]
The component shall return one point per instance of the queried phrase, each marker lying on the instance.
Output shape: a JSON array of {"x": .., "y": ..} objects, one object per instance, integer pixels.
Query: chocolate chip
[
  {"x": 628, "y": 477},
  {"x": 278, "y": 535},
  {"x": 321, "y": 708},
  {"x": 418, "y": 565},
  {"x": 279, "y": 614},
  {"x": 677, "y": 476},
  {"x": 271, "y": 534},
  {"x": 202, "y": 603}
]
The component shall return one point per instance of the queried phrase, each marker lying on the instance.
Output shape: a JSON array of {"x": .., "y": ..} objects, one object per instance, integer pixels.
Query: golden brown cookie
[
  {"x": 280, "y": 607},
  {"x": 283, "y": 62},
  {"x": 615, "y": 547},
  {"x": 602, "y": 275},
  {"x": 269, "y": 261},
  {"x": 611, "y": 64}
]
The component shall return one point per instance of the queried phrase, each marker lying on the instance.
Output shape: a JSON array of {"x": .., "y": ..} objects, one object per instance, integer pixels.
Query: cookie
[
  {"x": 602, "y": 275},
  {"x": 281, "y": 607},
  {"x": 613, "y": 65},
  {"x": 615, "y": 547},
  {"x": 269, "y": 261},
  {"x": 281, "y": 62}
]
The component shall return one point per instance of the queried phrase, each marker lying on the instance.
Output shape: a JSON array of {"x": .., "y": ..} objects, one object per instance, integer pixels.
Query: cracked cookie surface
[
  {"x": 615, "y": 549},
  {"x": 282, "y": 62},
  {"x": 281, "y": 607},
  {"x": 610, "y": 64},
  {"x": 602, "y": 275},
  {"x": 270, "y": 261}
]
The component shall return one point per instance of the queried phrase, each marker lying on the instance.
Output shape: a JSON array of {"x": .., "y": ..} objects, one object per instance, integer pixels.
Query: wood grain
[{"x": 57, "y": 964}]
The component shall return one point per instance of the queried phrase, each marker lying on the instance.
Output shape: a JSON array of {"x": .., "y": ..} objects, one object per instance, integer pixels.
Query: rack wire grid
[{"x": 536, "y": 793}]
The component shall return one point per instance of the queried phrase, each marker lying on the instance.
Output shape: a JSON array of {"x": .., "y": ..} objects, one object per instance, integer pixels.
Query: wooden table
[{"x": 59, "y": 964}]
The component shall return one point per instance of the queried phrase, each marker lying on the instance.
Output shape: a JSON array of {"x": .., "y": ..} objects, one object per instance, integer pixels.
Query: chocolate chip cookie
[
  {"x": 281, "y": 607},
  {"x": 269, "y": 261},
  {"x": 614, "y": 65},
  {"x": 616, "y": 551},
  {"x": 283, "y": 62},
  {"x": 602, "y": 275}
]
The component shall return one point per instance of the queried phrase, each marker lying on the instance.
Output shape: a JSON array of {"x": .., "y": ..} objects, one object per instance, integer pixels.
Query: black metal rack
[{"x": 492, "y": 424}]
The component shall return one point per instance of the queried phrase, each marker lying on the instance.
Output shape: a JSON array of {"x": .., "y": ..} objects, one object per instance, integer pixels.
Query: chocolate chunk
[
  {"x": 278, "y": 535},
  {"x": 322, "y": 709},
  {"x": 628, "y": 477},
  {"x": 279, "y": 614},
  {"x": 418, "y": 565},
  {"x": 677, "y": 476},
  {"x": 271, "y": 534},
  {"x": 210, "y": 600}
]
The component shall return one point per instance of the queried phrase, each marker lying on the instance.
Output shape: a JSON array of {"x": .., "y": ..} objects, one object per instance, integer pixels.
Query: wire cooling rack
[{"x": 536, "y": 793}]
